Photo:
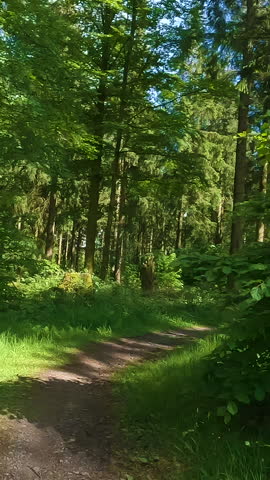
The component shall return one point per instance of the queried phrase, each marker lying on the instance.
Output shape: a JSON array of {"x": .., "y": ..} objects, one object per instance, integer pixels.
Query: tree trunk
[
  {"x": 49, "y": 245},
  {"x": 60, "y": 243},
  {"x": 179, "y": 228},
  {"x": 263, "y": 189},
  {"x": 111, "y": 211},
  {"x": 217, "y": 217},
  {"x": 96, "y": 174},
  {"x": 163, "y": 236},
  {"x": 72, "y": 247},
  {"x": 261, "y": 227},
  {"x": 117, "y": 152},
  {"x": 66, "y": 249},
  {"x": 241, "y": 169},
  {"x": 241, "y": 163},
  {"x": 19, "y": 224},
  {"x": 78, "y": 250},
  {"x": 147, "y": 275},
  {"x": 121, "y": 226},
  {"x": 151, "y": 240}
]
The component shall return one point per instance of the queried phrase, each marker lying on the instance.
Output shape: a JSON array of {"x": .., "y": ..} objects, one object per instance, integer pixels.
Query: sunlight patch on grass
[
  {"x": 159, "y": 388},
  {"x": 43, "y": 333}
]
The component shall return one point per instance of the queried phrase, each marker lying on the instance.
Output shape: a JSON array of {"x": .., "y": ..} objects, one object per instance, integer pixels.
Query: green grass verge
[
  {"x": 169, "y": 424},
  {"x": 47, "y": 327}
]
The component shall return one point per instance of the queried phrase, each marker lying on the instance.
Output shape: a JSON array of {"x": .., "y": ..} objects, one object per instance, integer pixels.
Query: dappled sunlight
[
  {"x": 65, "y": 414},
  {"x": 155, "y": 391},
  {"x": 45, "y": 331}
]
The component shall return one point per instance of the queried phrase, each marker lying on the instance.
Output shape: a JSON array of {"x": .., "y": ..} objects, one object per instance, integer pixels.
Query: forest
[{"x": 135, "y": 233}]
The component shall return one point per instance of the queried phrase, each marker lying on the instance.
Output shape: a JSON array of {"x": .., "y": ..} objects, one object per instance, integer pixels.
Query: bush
[
  {"x": 78, "y": 283},
  {"x": 132, "y": 276},
  {"x": 168, "y": 273}
]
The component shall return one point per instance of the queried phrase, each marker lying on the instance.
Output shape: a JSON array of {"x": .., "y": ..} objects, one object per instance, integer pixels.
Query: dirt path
[{"x": 61, "y": 426}]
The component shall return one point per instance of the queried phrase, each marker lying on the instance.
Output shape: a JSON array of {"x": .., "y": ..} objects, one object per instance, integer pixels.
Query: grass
[
  {"x": 48, "y": 326},
  {"x": 167, "y": 414}
]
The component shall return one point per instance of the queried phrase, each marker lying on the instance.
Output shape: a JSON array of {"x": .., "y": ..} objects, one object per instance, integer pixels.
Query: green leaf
[
  {"x": 258, "y": 266},
  {"x": 259, "y": 394},
  {"x": 242, "y": 397},
  {"x": 227, "y": 270},
  {"x": 143, "y": 460},
  {"x": 227, "y": 418},
  {"x": 221, "y": 411},
  {"x": 232, "y": 408},
  {"x": 210, "y": 276},
  {"x": 256, "y": 293}
]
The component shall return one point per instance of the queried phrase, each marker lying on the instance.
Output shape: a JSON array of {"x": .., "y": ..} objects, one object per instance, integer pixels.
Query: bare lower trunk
[
  {"x": 151, "y": 240},
  {"x": 119, "y": 138},
  {"x": 66, "y": 249},
  {"x": 121, "y": 227},
  {"x": 241, "y": 169},
  {"x": 263, "y": 189},
  {"x": 111, "y": 211},
  {"x": 91, "y": 231},
  {"x": 217, "y": 216},
  {"x": 60, "y": 243},
  {"x": 261, "y": 227},
  {"x": 19, "y": 224},
  {"x": 78, "y": 250},
  {"x": 49, "y": 245},
  {"x": 241, "y": 163},
  {"x": 96, "y": 173},
  {"x": 147, "y": 275},
  {"x": 72, "y": 248},
  {"x": 163, "y": 235},
  {"x": 179, "y": 228}
]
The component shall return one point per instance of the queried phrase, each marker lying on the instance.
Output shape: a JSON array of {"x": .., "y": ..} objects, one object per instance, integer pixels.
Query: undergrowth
[
  {"x": 167, "y": 413},
  {"x": 47, "y": 324}
]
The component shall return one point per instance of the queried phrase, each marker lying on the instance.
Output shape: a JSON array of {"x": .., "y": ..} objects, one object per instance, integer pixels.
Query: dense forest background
[
  {"x": 134, "y": 155},
  {"x": 130, "y": 128}
]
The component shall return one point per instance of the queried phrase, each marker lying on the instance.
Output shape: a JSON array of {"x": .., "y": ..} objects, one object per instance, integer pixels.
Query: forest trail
[{"x": 63, "y": 427}]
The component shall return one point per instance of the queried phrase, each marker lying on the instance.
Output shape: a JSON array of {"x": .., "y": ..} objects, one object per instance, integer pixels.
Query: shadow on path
[{"x": 60, "y": 426}]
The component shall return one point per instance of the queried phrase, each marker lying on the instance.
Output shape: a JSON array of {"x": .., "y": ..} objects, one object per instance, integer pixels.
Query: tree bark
[
  {"x": 19, "y": 224},
  {"x": 261, "y": 227},
  {"x": 217, "y": 217},
  {"x": 49, "y": 244},
  {"x": 179, "y": 228},
  {"x": 119, "y": 139},
  {"x": 241, "y": 162},
  {"x": 60, "y": 243},
  {"x": 121, "y": 226},
  {"x": 72, "y": 247},
  {"x": 66, "y": 249},
  {"x": 263, "y": 189},
  {"x": 147, "y": 274},
  {"x": 78, "y": 250},
  {"x": 96, "y": 174}
]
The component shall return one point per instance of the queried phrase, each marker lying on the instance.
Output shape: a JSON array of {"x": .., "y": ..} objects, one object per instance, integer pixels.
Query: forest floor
[{"x": 62, "y": 424}]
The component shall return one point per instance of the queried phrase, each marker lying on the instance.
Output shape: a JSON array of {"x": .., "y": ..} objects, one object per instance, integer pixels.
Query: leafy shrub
[
  {"x": 248, "y": 269},
  {"x": 240, "y": 372},
  {"x": 240, "y": 366},
  {"x": 168, "y": 273},
  {"x": 17, "y": 255},
  {"x": 78, "y": 283},
  {"x": 49, "y": 277},
  {"x": 132, "y": 276}
]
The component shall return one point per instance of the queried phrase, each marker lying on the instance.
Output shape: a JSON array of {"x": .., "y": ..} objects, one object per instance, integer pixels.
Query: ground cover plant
[
  {"x": 46, "y": 325},
  {"x": 171, "y": 426}
]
